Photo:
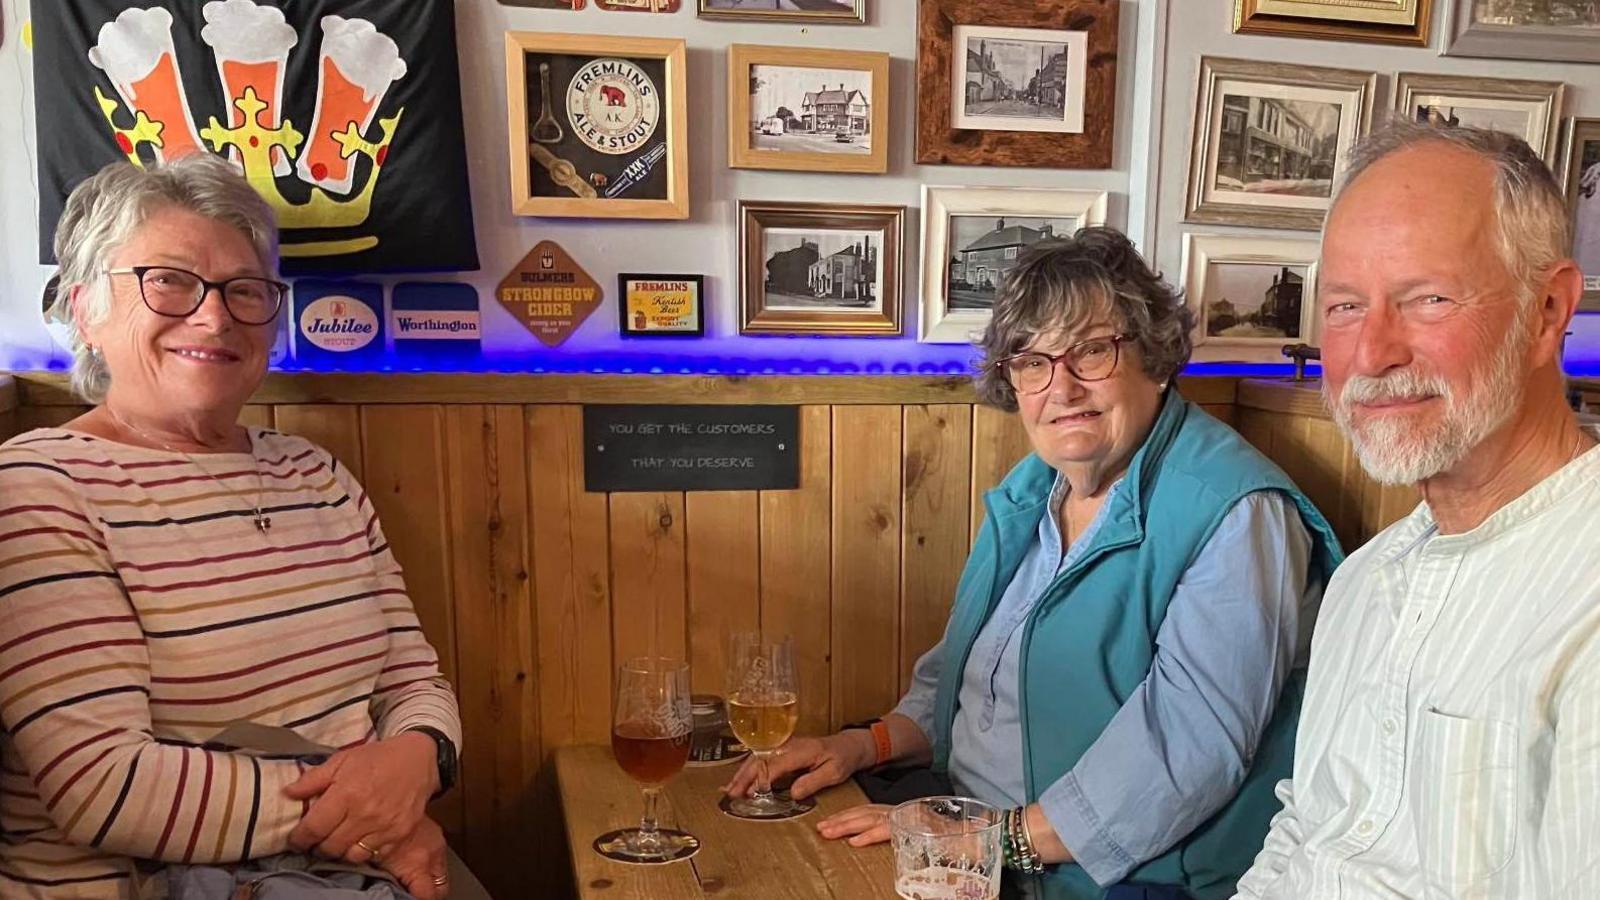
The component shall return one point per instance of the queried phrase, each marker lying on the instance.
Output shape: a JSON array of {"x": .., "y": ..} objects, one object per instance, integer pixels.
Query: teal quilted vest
[{"x": 1081, "y": 660}]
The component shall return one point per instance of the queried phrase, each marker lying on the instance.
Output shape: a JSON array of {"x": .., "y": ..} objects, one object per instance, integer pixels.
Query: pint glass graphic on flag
[
  {"x": 355, "y": 68},
  {"x": 135, "y": 50},
  {"x": 251, "y": 44}
]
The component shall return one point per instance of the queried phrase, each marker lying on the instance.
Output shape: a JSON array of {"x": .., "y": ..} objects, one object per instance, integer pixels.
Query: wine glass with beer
[
  {"x": 650, "y": 736},
  {"x": 763, "y": 707}
]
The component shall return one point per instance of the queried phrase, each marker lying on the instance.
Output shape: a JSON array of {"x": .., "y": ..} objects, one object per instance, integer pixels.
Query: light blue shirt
[{"x": 1238, "y": 622}]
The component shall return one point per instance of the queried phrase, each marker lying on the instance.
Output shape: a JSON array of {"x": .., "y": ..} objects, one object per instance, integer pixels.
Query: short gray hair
[
  {"x": 105, "y": 210},
  {"x": 1061, "y": 284},
  {"x": 1532, "y": 229}
]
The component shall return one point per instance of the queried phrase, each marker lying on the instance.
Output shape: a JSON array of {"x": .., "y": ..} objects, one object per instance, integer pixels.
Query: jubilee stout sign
[
  {"x": 691, "y": 448},
  {"x": 549, "y": 293}
]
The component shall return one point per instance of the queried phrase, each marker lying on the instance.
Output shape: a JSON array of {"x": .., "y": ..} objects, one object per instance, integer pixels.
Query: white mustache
[{"x": 1400, "y": 384}]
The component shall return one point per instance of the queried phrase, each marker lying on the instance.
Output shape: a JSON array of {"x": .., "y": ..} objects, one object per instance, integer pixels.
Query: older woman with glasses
[
  {"x": 1123, "y": 663},
  {"x": 168, "y": 575}
]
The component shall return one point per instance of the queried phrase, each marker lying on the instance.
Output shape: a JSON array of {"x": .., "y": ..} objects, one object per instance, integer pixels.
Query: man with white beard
[{"x": 1449, "y": 745}]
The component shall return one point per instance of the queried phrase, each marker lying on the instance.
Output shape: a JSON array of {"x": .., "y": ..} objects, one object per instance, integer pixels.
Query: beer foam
[
  {"x": 367, "y": 57},
  {"x": 131, "y": 44},
  {"x": 241, "y": 31}
]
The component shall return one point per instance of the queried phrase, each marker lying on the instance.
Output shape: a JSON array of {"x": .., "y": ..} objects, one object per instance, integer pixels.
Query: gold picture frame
[
  {"x": 783, "y": 114},
  {"x": 1402, "y": 22},
  {"x": 820, "y": 268},
  {"x": 1320, "y": 111},
  {"x": 1581, "y": 175},
  {"x": 1487, "y": 103},
  {"x": 579, "y": 164}
]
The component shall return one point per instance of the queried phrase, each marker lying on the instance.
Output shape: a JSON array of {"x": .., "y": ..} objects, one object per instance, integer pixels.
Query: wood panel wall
[{"x": 532, "y": 589}]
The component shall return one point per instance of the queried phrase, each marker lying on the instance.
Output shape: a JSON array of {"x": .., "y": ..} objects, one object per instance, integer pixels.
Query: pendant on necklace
[{"x": 263, "y": 523}]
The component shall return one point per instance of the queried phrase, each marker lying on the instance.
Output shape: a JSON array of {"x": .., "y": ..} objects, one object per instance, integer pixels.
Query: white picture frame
[
  {"x": 1539, "y": 103},
  {"x": 1019, "y": 98},
  {"x": 1224, "y": 139},
  {"x": 1465, "y": 34},
  {"x": 940, "y": 321},
  {"x": 1213, "y": 262}
]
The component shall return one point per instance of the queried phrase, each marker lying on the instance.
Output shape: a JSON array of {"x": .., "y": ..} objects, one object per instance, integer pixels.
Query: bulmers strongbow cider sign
[{"x": 549, "y": 293}]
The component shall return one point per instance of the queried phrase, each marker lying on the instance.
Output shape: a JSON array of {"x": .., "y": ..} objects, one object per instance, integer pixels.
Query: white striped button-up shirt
[{"x": 1450, "y": 741}]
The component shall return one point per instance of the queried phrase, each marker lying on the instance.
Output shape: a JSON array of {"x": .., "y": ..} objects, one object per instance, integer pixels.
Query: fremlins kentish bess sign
[{"x": 344, "y": 114}]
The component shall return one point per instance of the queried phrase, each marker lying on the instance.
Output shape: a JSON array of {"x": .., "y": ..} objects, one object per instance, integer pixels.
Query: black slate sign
[{"x": 691, "y": 448}]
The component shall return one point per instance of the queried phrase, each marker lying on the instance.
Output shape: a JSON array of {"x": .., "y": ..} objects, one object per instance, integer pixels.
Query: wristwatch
[{"x": 449, "y": 765}]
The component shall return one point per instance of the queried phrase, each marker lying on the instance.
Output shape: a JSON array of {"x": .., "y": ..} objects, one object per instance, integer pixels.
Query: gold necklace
[{"x": 262, "y": 521}]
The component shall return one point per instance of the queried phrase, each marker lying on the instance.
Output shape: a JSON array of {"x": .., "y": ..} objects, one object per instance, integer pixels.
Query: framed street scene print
[
  {"x": 1582, "y": 167},
  {"x": 1016, "y": 82},
  {"x": 1250, "y": 295},
  {"x": 1547, "y": 30},
  {"x": 852, "y": 12},
  {"x": 1018, "y": 79},
  {"x": 597, "y": 126},
  {"x": 808, "y": 109},
  {"x": 972, "y": 236},
  {"x": 1530, "y": 110},
  {"x": 1371, "y": 21},
  {"x": 1269, "y": 138},
  {"x": 661, "y": 305},
  {"x": 819, "y": 268}
]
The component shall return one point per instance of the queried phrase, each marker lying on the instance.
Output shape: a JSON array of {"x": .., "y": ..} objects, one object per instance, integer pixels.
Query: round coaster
[
  {"x": 672, "y": 847},
  {"x": 787, "y": 808}
]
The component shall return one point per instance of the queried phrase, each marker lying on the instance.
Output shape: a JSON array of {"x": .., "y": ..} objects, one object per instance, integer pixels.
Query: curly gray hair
[
  {"x": 104, "y": 211},
  {"x": 1062, "y": 284}
]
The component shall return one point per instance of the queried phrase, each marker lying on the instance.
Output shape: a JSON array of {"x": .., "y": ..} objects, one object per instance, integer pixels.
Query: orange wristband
[{"x": 881, "y": 743}]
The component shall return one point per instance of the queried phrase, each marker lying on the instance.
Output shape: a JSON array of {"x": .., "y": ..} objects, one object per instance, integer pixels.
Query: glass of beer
[
  {"x": 650, "y": 736},
  {"x": 946, "y": 848},
  {"x": 763, "y": 707}
]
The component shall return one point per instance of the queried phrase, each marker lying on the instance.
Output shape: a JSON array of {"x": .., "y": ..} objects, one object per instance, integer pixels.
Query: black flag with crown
[{"x": 344, "y": 114}]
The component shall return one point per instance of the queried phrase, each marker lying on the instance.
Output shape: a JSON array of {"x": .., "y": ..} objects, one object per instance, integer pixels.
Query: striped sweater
[{"x": 141, "y": 611}]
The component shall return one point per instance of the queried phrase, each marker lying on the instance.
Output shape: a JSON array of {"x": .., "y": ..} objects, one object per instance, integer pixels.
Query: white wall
[{"x": 704, "y": 243}]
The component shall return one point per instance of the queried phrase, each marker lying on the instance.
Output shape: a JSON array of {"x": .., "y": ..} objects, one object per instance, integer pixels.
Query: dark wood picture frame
[
  {"x": 755, "y": 314},
  {"x": 627, "y": 328},
  {"x": 938, "y": 142}
]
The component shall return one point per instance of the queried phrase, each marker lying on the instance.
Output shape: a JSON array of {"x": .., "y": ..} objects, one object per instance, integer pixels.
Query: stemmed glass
[
  {"x": 650, "y": 736},
  {"x": 763, "y": 707}
]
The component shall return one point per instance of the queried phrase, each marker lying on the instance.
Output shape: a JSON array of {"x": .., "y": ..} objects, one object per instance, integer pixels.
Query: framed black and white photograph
[
  {"x": 1530, "y": 110},
  {"x": 1270, "y": 138},
  {"x": 1018, "y": 79},
  {"x": 1546, "y": 30},
  {"x": 972, "y": 237},
  {"x": 1582, "y": 168},
  {"x": 805, "y": 109},
  {"x": 819, "y": 268},
  {"x": 851, "y": 12},
  {"x": 1250, "y": 295}
]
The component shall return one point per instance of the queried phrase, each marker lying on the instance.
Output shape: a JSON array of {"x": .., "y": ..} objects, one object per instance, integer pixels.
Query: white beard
[{"x": 1394, "y": 450}]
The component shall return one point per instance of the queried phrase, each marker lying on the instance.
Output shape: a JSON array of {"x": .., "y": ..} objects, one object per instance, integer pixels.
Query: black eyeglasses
[
  {"x": 1091, "y": 360},
  {"x": 167, "y": 291}
]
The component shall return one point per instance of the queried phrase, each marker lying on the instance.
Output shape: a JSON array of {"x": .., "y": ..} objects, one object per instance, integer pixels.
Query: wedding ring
[
  {"x": 440, "y": 880},
  {"x": 363, "y": 845}
]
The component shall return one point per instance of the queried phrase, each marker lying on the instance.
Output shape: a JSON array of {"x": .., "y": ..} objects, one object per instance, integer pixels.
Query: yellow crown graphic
[{"x": 146, "y": 68}]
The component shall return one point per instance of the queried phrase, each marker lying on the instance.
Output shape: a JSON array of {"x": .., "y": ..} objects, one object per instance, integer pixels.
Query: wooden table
[{"x": 737, "y": 859}]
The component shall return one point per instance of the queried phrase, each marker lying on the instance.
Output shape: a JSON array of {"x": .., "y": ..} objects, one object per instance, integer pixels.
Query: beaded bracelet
[{"x": 1016, "y": 844}]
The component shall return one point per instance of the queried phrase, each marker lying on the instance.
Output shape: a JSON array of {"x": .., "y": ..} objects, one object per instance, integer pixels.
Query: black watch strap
[
  {"x": 449, "y": 765},
  {"x": 864, "y": 724}
]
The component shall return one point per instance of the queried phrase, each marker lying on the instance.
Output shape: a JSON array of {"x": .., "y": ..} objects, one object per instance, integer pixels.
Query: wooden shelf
[
  {"x": 53, "y": 389},
  {"x": 1281, "y": 395}
]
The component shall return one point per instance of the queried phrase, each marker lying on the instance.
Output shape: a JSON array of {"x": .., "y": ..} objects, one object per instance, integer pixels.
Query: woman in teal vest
[{"x": 1124, "y": 659}]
